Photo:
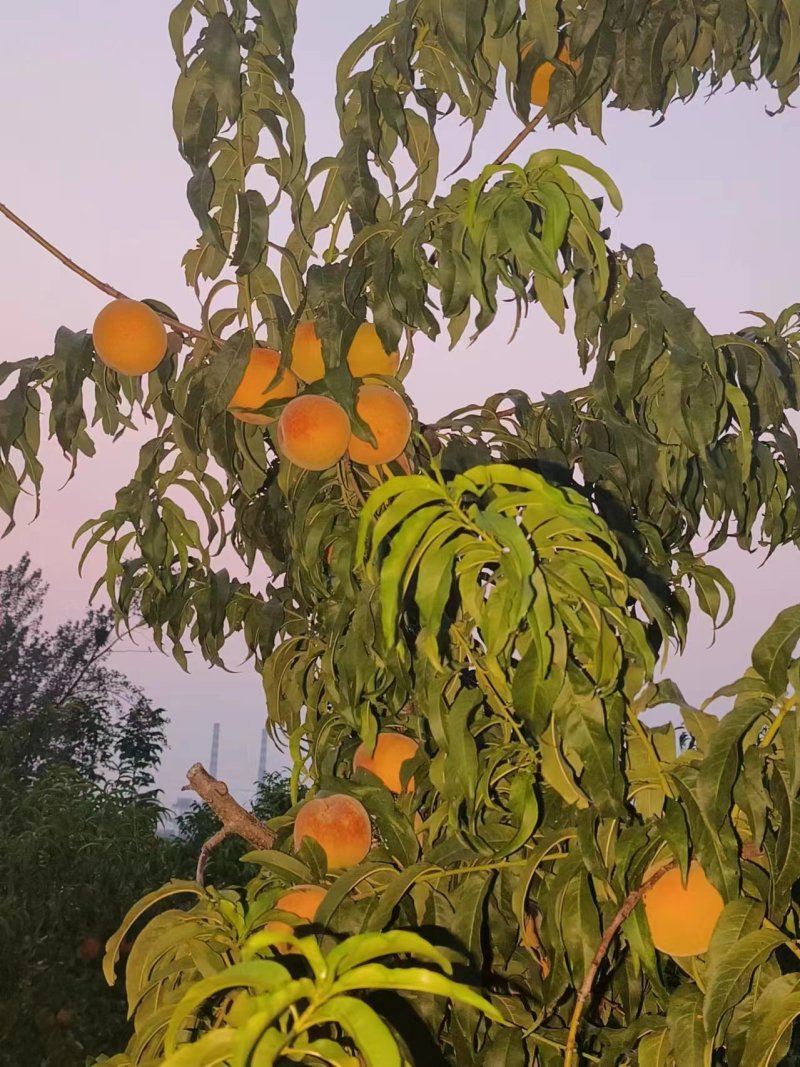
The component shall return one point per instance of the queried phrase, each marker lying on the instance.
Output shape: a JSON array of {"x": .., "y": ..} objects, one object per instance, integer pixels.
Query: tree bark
[{"x": 234, "y": 818}]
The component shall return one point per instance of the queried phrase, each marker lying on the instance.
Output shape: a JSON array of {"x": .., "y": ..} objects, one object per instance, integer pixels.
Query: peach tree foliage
[{"x": 508, "y": 602}]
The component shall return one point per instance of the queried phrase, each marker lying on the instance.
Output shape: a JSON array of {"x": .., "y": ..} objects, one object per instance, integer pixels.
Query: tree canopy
[{"x": 497, "y": 588}]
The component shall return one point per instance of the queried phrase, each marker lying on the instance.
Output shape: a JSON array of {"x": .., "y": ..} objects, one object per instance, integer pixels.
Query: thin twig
[
  {"x": 351, "y": 478},
  {"x": 234, "y": 818},
  {"x": 179, "y": 327},
  {"x": 205, "y": 852},
  {"x": 585, "y": 990},
  {"x": 523, "y": 133}
]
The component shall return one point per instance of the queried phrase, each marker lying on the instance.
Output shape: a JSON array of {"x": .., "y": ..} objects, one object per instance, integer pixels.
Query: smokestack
[
  {"x": 214, "y": 761},
  {"x": 262, "y": 757}
]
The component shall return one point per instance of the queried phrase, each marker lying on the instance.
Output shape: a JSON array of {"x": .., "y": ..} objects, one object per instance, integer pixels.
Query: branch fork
[{"x": 234, "y": 818}]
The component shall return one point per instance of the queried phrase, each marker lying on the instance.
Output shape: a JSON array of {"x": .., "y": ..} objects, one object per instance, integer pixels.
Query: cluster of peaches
[
  {"x": 340, "y": 824},
  {"x": 681, "y": 916},
  {"x": 313, "y": 431}
]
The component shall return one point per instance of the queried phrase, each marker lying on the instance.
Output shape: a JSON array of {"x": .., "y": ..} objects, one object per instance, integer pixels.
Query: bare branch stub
[{"x": 234, "y": 818}]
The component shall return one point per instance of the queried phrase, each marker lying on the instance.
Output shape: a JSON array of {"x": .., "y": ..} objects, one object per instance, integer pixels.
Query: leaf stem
[
  {"x": 777, "y": 722},
  {"x": 585, "y": 990},
  {"x": 548, "y": 1042},
  {"x": 178, "y": 327},
  {"x": 332, "y": 250},
  {"x": 486, "y": 868}
]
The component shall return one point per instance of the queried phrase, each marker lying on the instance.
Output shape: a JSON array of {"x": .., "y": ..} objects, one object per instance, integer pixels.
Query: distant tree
[
  {"x": 75, "y": 855},
  {"x": 60, "y": 703}
]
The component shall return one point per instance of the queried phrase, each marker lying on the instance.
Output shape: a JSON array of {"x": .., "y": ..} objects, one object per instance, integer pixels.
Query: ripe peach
[
  {"x": 392, "y": 750},
  {"x": 365, "y": 356},
  {"x": 682, "y": 918},
  {"x": 129, "y": 337},
  {"x": 340, "y": 825},
  {"x": 258, "y": 386},
  {"x": 302, "y": 901},
  {"x": 91, "y": 948},
  {"x": 307, "y": 362},
  {"x": 540, "y": 85},
  {"x": 390, "y": 421},
  {"x": 313, "y": 432}
]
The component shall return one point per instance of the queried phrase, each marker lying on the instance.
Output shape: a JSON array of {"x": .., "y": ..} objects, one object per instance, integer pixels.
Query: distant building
[{"x": 169, "y": 820}]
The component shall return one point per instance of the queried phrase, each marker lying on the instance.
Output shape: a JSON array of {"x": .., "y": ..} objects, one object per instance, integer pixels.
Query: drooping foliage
[{"x": 503, "y": 594}]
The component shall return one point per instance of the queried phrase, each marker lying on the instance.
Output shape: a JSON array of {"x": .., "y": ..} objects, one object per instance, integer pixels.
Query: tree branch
[
  {"x": 99, "y": 654},
  {"x": 234, "y": 818},
  {"x": 523, "y": 133},
  {"x": 205, "y": 852},
  {"x": 585, "y": 990},
  {"x": 749, "y": 852},
  {"x": 178, "y": 327}
]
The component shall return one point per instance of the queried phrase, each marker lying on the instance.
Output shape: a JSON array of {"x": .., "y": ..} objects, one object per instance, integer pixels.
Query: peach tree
[{"x": 540, "y": 877}]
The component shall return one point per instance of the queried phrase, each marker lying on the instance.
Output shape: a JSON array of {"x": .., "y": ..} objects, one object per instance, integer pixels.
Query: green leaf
[
  {"x": 560, "y": 157},
  {"x": 580, "y": 925},
  {"x": 469, "y": 903},
  {"x": 414, "y": 980},
  {"x": 737, "y": 947},
  {"x": 179, "y": 20},
  {"x": 221, "y": 53},
  {"x": 72, "y": 360},
  {"x": 172, "y": 888},
  {"x": 525, "y": 808},
  {"x": 784, "y": 855},
  {"x": 654, "y": 1050},
  {"x": 723, "y": 761},
  {"x": 773, "y": 651},
  {"x": 364, "y": 1026},
  {"x": 685, "y": 1024},
  {"x": 363, "y": 948},
  {"x": 212, "y": 1050},
  {"x": 259, "y": 975},
  {"x": 252, "y": 231},
  {"x": 775, "y": 1013},
  {"x": 543, "y": 20}
]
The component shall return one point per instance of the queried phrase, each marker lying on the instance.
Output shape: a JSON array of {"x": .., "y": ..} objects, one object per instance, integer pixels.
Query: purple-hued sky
[{"x": 89, "y": 159}]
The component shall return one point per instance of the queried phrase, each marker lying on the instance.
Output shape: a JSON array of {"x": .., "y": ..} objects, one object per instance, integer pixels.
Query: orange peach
[
  {"x": 392, "y": 750},
  {"x": 129, "y": 337},
  {"x": 390, "y": 421},
  {"x": 340, "y": 825},
  {"x": 313, "y": 432},
  {"x": 302, "y": 901},
  {"x": 682, "y": 917},
  {"x": 258, "y": 386}
]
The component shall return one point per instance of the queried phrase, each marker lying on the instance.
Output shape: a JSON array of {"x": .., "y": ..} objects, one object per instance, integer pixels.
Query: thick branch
[
  {"x": 179, "y": 327},
  {"x": 234, "y": 818}
]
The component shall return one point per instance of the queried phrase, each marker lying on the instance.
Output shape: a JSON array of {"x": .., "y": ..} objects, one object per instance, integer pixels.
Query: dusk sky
[{"x": 90, "y": 160}]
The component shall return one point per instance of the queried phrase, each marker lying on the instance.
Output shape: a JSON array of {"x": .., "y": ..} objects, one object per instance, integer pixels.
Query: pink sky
[{"x": 90, "y": 161}]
